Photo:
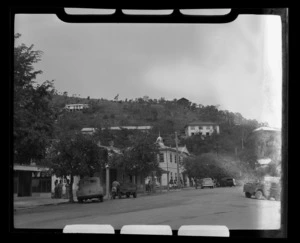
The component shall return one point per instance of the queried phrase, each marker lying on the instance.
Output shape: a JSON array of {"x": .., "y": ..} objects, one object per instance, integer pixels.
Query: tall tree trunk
[{"x": 71, "y": 189}]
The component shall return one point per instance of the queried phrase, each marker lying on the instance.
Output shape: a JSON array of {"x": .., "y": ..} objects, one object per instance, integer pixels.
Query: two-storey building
[
  {"x": 203, "y": 128},
  {"x": 168, "y": 161}
]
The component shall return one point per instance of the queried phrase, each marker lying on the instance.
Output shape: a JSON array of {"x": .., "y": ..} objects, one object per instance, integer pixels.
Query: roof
[
  {"x": 88, "y": 129},
  {"x": 128, "y": 127},
  {"x": 267, "y": 129},
  {"x": 200, "y": 123},
  {"x": 29, "y": 168}
]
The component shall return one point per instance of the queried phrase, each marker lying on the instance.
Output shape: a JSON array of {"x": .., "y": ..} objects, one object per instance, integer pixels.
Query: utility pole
[
  {"x": 177, "y": 156},
  {"x": 168, "y": 188}
]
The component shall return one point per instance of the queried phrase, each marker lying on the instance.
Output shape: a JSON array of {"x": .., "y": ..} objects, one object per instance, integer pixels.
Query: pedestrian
[
  {"x": 116, "y": 184},
  {"x": 67, "y": 195},
  {"x": 60, "y": 186},
  {"x": 171, "y": 182},
  {"x": 56, "y": 189}
]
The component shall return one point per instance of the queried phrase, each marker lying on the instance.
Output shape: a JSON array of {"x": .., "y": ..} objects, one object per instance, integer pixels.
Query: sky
[{"x": 235, "y": 65}]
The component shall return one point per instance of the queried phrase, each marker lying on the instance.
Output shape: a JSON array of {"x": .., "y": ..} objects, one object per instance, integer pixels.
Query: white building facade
[
  {"x": 168, "y": 162},
  {"x": 203, "y": 128},
  {"x": 76, "y": 107}
]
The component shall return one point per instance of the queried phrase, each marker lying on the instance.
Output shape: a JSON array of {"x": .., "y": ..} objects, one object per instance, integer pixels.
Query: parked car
[
  {"x": 227, "y": 181},
  {"x": 207, "y": 182},
  {"x": 267, "y": 188},
  {"x": 89, "y": 188}
]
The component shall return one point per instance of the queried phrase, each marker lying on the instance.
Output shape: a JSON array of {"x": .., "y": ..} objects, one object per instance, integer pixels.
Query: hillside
[{"x": 165, "y": 116}]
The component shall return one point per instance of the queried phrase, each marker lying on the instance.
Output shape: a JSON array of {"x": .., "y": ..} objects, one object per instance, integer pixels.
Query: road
[{"x": 218, "y": 206}]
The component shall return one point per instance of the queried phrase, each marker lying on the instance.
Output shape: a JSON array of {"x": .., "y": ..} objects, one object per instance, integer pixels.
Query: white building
[
  {"x": 168, "y": 163},
  {"x": 76, "y": 107},
  {"x": 203, "y": 128},
  {"x": 142, "y": 128},
  {"x": 88, "y": 130}
]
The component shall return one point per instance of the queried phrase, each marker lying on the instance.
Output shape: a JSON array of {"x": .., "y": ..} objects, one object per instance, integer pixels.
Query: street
[{"x": 219, "y": 206}]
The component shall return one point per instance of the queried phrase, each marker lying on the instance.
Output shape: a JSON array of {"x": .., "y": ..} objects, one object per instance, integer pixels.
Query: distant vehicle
[
  {"x": 207, "y": 182},
  {"x": 267, "y": 188},
  {"x": 126, "y": 189},
  {"x": 89, "y": 188},
  {"x": 227, "y": 181}
]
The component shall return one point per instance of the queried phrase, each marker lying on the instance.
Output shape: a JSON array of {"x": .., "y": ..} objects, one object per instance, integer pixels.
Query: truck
[
  {"x": 268, "y": 187},
  {"x": 126, "y": 189}
]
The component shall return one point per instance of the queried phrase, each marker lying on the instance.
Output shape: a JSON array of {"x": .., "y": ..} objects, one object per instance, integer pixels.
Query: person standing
[
  {"x": 56, "y": 189},
  {"x": 60, "y": 187},
  {"x": 67, "y": 189}
]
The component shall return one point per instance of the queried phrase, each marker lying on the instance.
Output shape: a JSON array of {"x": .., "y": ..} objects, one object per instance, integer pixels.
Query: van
[{"x": 89, "y": 188}]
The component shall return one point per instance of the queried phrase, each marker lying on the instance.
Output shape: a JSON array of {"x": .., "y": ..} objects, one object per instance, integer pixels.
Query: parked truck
[{"x": 268, "y": 187}]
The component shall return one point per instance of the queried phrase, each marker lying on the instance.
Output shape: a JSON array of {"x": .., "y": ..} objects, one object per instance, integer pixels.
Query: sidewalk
[
  {"x": 45, "y": 199},
  {"x": 35, "y": 201}
]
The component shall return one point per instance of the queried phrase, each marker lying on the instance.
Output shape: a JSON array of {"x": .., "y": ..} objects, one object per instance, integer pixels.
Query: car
[
  {"x": 228, "y": 181},
  {"x": 207, "y": 182},
  {"x": 267, "y": 188},
  {"x": 89, "y": 188}
]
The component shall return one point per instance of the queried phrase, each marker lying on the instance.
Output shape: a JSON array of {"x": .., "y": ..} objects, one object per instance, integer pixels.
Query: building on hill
[
  {"x": 141, "y": 128},
  {"x": 203, "y": 128},
  {"x": 88, "y": 130},
  {"x": 184, "y": 102},
  {"x": 168, "y": 163},
  {"x": 76, "y": 107},
  {"x": 266, "y": 142}
]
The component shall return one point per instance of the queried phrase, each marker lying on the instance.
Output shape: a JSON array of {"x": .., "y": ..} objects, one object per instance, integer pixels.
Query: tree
[
  {"x": 33, "y": 114},
  {"x": 141, "y": 157},
  {"x": 76, "y": 155}
]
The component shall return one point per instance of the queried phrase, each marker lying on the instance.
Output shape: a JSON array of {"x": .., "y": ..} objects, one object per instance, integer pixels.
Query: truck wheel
[
  {"x": 258, "y": 195},
  {"x": 101, "y": 198},
  {"x": 248, "y": 194},
  {"x": 80, "y": 200},
  {"x": 127, "y": 195},
  {"x": 134, "y": 194}
]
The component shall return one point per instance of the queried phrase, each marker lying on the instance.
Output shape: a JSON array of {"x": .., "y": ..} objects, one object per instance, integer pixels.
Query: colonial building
[
  {"x": 76, "y": 107},
  {"x": 168, "y": 163},
  {"x": 203, "y": 128}
]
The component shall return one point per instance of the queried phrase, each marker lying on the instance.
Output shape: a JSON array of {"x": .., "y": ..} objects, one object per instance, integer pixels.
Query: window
[
  {"x": 175, "y": 158},
  {"x": 192, "y": 134},
  {"x": 192, "y": 128},
  {"x": 161, "y": 157},
  {"x": 171, "y": 158},
  {"x": 200, "y": 128}
]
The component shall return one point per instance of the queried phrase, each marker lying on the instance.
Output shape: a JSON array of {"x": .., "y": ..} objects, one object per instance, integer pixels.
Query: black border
[{"x": 175, "y": 17}]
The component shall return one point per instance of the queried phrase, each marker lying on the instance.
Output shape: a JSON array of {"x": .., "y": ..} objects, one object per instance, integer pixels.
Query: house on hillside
[
  {"x": 88, "y": 130},
  {"x": 168, "y": 163},
  {"x": 267, "y": 143},
  {"x": 183, "y": 102},
  {"x": 76, "y": 107},
  {"x": 141, "y": 128},
  {"x": 203, "y": 128}
]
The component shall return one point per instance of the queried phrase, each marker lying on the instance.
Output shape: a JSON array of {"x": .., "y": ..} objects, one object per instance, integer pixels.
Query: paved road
[{"x": 218, "y": 206}]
